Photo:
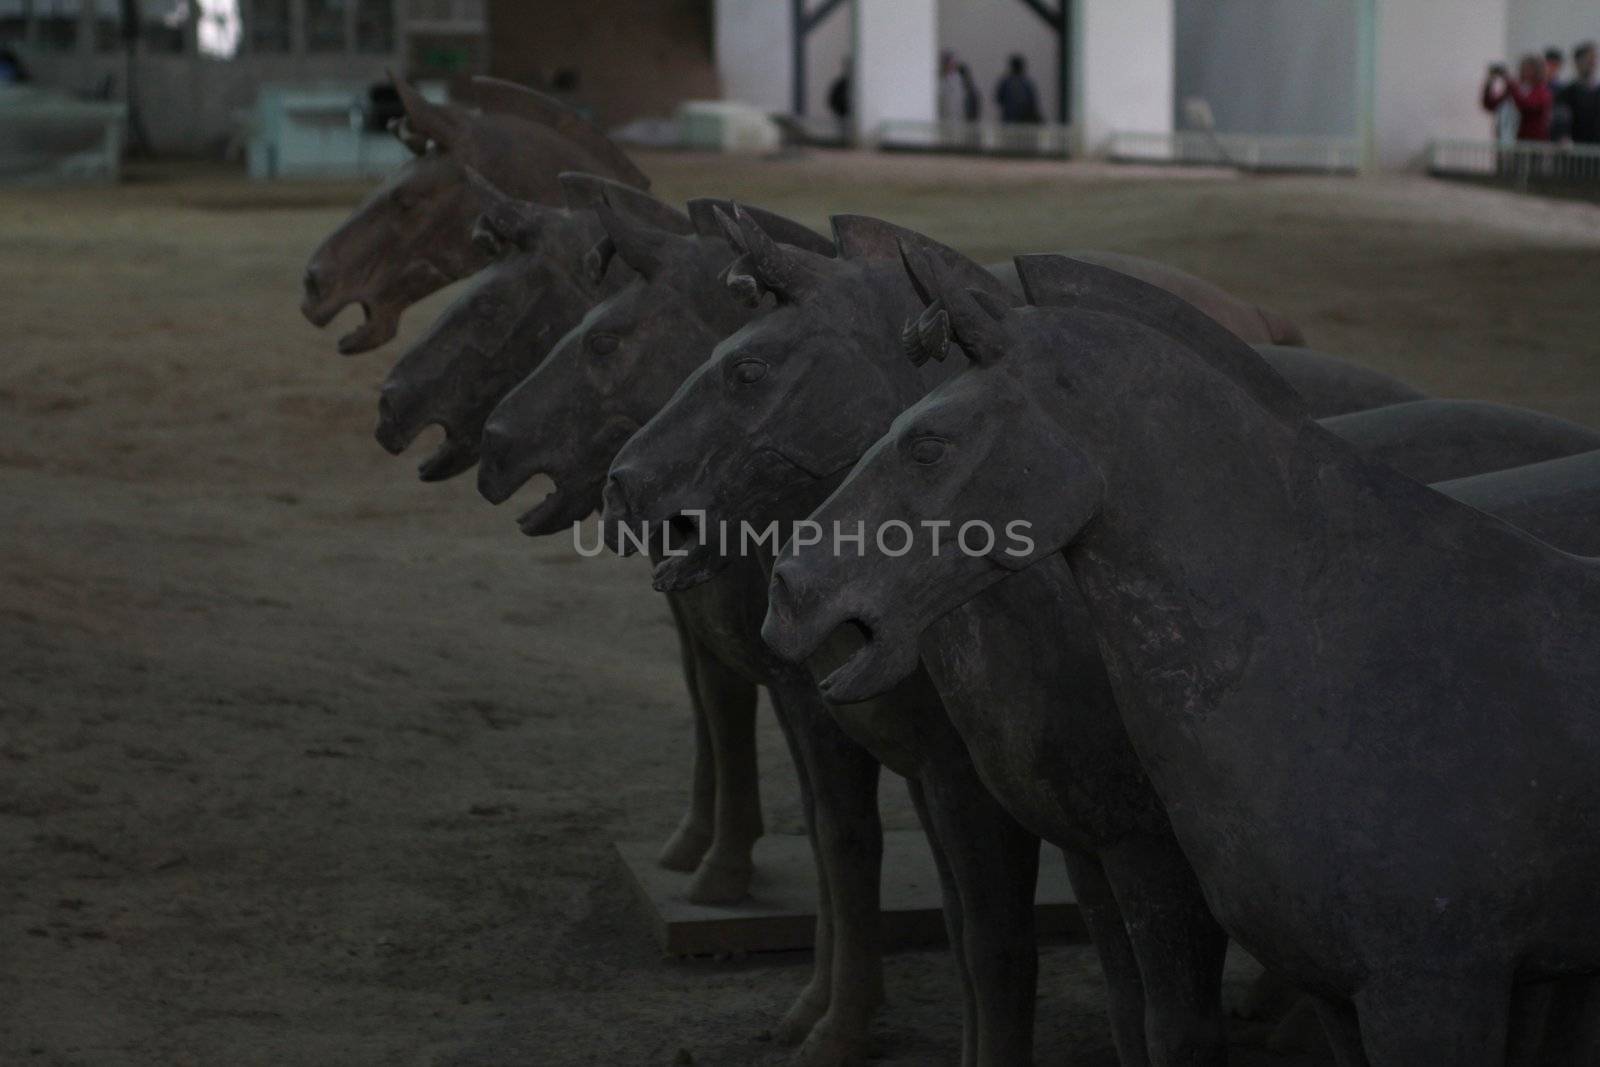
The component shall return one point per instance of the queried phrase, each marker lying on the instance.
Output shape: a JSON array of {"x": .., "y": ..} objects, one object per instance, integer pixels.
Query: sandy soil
[{"x": 304, "y": 762}]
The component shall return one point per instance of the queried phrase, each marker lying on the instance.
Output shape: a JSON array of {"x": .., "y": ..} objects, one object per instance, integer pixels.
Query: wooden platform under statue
[{"x": 781, "y": 911}]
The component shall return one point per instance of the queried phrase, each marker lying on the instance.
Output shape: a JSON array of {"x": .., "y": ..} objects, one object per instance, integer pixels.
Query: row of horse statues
[{"x": 1291, "y": 654}]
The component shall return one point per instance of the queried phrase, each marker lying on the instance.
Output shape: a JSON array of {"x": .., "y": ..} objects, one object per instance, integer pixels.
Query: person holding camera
[{"x": 1529, "y": 93}]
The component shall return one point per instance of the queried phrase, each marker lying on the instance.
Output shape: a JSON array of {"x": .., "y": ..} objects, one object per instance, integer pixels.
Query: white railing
[
  {"x": 986, "y": 138},
  {"x": 1520, "y": 163},
  {"x": 1246, "y": 151}
]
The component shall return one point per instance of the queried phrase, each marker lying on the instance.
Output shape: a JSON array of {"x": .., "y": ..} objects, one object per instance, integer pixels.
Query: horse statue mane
[
  {"x": 517, "y": 138},
  {"x": 501, "y": 97},
  {"x": 1061, "y": 281}
]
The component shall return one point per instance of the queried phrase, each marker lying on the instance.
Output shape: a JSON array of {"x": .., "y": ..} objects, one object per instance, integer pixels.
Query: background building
[
  {"x": 1388, "y": 76},
  {"x": 197, "y": 64}
]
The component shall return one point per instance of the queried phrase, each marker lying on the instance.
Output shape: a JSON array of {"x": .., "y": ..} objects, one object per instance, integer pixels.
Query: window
[
  {"x": 429, "y": 10},
  {"x": 57, "y": 24},
  {"x": 436, "y": 55},
  {"x": 164, "y": 24},
  {"x": 13, "y": 21},
  {"x": 445, "y": 11},
  {"x": 217, "y": 33},
  {"x": 375, "y": 26},
  {"x": 325, "y": 25},
  {"x": 269, "y": 26}
]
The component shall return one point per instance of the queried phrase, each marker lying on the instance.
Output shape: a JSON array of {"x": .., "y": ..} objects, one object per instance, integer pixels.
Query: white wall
[
  {"x": 1537, "y": 24},
  {"x": 985, "y": 33},
  {"x": 896, "y": 62},
  {"x": 754, "y": 55},
  {"x": 1270, "y": 66},
  {"x": 1429, "y": 66},
  {"x": 1122, "y": 67}
]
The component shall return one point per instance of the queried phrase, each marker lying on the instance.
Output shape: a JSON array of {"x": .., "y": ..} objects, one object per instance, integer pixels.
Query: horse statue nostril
[
  {"x": 492, "y": 448},
  {"x": 614, "y": 500},
  {"x": 486, "y": 238},
  {"x": 780, "y": 596},
  {"x": 312, "y": 283}
]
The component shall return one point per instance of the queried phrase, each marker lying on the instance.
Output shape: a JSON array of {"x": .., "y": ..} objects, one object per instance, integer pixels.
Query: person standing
[
  {"x": 839, "y": 101},
  {"x": 1529, "y": 92},
  {"x": 1581, "y": 95},
  {"x": 1554, "y": 61},
  {"x": 952, "y": 93},
  {"x": 1017, "y": 96},
  {"x": 1561, "y": 116},
  {"x": 971, "y": 100}
]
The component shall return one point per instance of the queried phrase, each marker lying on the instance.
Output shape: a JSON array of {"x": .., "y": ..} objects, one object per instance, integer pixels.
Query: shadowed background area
[{"x": 302, "y": 761}]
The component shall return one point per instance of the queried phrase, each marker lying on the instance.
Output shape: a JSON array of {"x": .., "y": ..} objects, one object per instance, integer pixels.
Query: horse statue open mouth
[{"x": 413, "y": 235}]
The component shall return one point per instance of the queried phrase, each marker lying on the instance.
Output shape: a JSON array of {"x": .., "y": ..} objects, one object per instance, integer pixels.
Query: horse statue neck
[{"x": 1237, "y": 543}]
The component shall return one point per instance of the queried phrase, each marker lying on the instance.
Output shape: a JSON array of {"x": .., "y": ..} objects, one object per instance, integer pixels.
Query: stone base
[{"x": 781, "y": 911}]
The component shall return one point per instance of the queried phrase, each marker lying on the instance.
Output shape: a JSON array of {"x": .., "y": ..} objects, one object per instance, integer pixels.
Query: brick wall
[{"x": 632, "y": 59}]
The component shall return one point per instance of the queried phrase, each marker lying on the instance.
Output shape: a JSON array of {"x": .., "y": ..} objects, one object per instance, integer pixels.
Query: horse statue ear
[
  {"x": 739, "y": 276},
  {"x": 789, "y": 274},
  {"x": 580, "y": 191},
  {"x": 597, "y": 261},
  {"x": 642, "y": 246},
  {"x": 407, "y": 136},
  {"x": 972, "y": 316},
  {"x": 435, "y": 126},
  {"x": 703, "y": 211},
  {"x": 505, "y": 221},
  {"x": 927, "y": 336}
]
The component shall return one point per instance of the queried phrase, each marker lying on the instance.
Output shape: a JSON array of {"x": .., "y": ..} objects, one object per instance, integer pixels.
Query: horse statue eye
[
  {"x": 929, "y": 450},
  {"x": 749, "y": 371},
  {"x": 603, "y": 344}
]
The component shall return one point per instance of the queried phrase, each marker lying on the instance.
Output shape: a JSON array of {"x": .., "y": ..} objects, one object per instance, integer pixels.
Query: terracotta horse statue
[
  {"x": 567, "y": 420},
  {"x": 1367, "y": 707},
  {"x": 412, "y": 235},
  {"x": 759, "y": 435}
]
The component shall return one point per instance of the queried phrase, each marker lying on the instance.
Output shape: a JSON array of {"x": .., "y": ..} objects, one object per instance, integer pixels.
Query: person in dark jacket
[
  {"x": 1017, "y": 96},
  {"x": 971, "y": 101},
  {"x": 839, "y": 94},
  {"x": 1580, "y": 97}
]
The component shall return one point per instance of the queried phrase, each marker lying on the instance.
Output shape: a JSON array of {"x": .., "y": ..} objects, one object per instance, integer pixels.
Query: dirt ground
[{"x": 305, "y": 762}]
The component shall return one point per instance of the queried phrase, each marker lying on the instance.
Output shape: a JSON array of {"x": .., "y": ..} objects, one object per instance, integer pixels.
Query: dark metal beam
[
  {"x": 801, "y": 25},
  {"x": 1051, "y": 18},
  {"x": 823, "y": 10},
  {"x": 797, "y": 31},
  {"x": 1063, "y": 61}
]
